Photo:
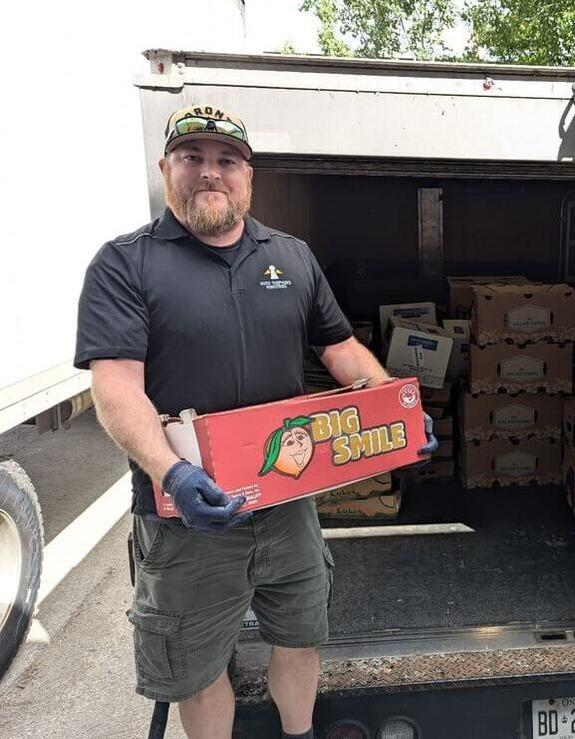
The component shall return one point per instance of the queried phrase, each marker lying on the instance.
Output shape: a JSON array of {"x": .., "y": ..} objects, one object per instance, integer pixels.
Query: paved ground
[{"x": 79, "y": 683}]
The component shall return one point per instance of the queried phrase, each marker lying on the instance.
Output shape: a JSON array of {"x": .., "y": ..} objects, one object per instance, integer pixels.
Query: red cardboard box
[{"x": 340, "y": 436}]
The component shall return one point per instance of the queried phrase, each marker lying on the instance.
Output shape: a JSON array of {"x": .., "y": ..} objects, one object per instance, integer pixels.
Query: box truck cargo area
[{"x": 400, "y": 175}]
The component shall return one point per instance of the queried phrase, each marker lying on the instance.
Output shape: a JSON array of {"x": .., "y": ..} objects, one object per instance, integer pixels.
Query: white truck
[
  {"x": 397, "y": 174},
  {"x": 457, "y": 621}
]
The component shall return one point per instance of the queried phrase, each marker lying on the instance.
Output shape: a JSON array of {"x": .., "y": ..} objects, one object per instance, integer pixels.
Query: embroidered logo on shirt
[{"x": 274, "y": 282}]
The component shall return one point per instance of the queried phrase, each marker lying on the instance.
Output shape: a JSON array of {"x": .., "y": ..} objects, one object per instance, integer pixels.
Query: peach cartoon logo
[{"x": 289, "y": 449}]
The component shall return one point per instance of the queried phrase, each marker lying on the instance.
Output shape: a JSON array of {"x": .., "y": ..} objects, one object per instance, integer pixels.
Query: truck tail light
[
  {"x": 347, "y": 730},
  {"x": 398, "y": 728}
]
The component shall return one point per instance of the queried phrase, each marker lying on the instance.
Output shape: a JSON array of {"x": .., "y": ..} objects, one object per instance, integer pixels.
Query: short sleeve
[
  {"x": 327, "y": 323},
  {"x": 112, "y": 313}
]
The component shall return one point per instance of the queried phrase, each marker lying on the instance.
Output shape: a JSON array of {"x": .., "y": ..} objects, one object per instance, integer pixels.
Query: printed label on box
[
  {"x": 522, "y": 368},
  {"x": 528, "y": 318},
  {"x": 515, "y": 464},
  {"x": 418, "y": 356},
  {"x": 513, "y": 416},
  {"x": 422, "y": 343}
]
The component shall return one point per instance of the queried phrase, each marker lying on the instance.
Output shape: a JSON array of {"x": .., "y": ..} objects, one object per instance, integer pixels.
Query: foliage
[
  {"x": 382, "y": 28},
  {"x": 522, "y": 31},
  {"x": 513, "y": 31}
]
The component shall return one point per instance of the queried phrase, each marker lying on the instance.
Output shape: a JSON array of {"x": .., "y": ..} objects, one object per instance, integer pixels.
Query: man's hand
[
  {"x": 432, "y": 444},
  {"x": 203, "y": 505}
]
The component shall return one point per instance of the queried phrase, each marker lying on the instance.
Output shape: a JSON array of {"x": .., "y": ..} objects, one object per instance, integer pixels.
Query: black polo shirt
[{"x": 213, "y": 336}]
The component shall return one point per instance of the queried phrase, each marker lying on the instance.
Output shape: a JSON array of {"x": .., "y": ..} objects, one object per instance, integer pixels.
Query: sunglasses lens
[
  {"x": 193, "y": 125},
  {"x": 229, "y": 128},
  {"x": 190, "y": 125}
]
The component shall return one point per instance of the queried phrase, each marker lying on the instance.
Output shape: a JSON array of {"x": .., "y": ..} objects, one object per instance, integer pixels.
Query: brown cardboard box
[
  {"x": 440, "y": 469},
  {"x": 460, "y": 332},
  {"x": 569, "y": 421},
  {"x": 501, "y": 461},
  {"x": 435, "y": 411},
  {"x": 507, "y": 416},
  {"x": 443, "y": 428},
  {"x": 521, "y": 313},
  {"x": 357, "y": 490},
  {"x": 461, "y": 291},
  {"x": 436, "y": 397},
  {"x": 445, "y": 450},
  {"x": 385, "y": 506},
  {"x": 569, "y": 475},
  {"x": 529, "y": 369}
]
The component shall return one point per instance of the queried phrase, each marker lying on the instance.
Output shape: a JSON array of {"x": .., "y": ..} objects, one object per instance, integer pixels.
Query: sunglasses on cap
[{"x": 193, "y": 124}]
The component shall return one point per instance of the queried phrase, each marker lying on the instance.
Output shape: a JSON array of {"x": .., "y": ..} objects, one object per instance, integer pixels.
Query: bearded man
[{"x": 180, "y": 314}]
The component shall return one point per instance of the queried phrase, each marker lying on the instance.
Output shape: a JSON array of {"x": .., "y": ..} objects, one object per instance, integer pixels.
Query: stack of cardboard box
[
  {"x": 437, "y": 404},
  {"x": 414, "y": 344},
  {"x": 520, "y": 363}
]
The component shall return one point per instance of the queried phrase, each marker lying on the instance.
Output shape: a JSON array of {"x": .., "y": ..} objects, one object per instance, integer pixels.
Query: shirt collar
[{"x": 169, "y": 228}]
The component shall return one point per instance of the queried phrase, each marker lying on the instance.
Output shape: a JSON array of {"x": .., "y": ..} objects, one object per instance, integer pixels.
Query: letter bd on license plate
[{"x": 554, "y": 717}]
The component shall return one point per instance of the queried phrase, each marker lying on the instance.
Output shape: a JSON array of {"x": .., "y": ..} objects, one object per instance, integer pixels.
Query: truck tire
[{"x": 21, "y": 540}]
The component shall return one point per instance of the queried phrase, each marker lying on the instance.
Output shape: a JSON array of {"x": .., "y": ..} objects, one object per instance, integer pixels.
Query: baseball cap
[{"x": 206, "y": 122}]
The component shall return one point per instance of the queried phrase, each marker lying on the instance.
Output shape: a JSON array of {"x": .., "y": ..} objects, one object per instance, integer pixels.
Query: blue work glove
[
  {"x": 432, "y": 444},
  {"x": 203, "y": 505}
]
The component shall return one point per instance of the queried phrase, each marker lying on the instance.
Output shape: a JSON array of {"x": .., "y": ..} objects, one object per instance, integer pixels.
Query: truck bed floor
[{"x": 516, "y": 566}]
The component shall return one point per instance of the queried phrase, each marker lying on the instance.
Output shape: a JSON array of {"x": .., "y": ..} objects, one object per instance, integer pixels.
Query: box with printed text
[
  {"x": 522, "y": 313},
  {"x": 420, "y": 312},
  {"x": 506, "y": 462},
  {"x": 421, "y": 350},
  {"x": 292, "y": 448},
  {"x": 532, "y": 368},
  {"x": 510, "y": 416}
]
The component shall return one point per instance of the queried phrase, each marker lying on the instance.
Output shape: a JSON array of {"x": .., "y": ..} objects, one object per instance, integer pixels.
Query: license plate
[{"x": 554, "y": 717}]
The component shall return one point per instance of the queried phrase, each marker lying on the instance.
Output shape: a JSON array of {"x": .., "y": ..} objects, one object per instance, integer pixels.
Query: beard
[{"x": 210, "y": 218}]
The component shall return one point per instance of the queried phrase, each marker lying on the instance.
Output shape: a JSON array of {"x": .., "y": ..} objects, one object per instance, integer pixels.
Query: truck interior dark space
[{"x": 515, "y": 566}]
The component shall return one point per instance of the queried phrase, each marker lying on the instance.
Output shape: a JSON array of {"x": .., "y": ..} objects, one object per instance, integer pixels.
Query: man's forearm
[
  {"x": 128, "y": 416},
  {"x": 350, "y": 361}
]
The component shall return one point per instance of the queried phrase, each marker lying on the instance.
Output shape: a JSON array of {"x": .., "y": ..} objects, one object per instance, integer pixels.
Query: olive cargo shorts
[{"x": 193, "y": 590}]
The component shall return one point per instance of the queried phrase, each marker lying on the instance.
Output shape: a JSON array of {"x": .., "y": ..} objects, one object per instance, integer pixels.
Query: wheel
[{"x": 21, "y": 540}]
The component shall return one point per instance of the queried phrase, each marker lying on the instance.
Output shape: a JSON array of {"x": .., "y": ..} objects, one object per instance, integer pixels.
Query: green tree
[
  {"x": 522, "y": 31},
  {"x": 383, "y": 28}
]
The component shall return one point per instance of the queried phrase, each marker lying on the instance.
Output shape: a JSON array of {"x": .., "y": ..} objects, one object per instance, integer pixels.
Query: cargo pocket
[
  {"x": 329, "y": 565},
  {"x": 158, "y": 644}
]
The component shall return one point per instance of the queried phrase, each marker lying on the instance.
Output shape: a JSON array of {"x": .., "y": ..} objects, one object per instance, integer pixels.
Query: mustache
[{"x": 209, "y": 188}]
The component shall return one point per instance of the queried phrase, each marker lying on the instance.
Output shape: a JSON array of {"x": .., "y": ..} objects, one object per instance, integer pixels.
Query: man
[{"x": 176, "y": 315}]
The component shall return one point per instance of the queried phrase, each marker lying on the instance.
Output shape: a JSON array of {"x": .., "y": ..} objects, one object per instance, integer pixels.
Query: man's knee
[{"x": 210, "y": 694}]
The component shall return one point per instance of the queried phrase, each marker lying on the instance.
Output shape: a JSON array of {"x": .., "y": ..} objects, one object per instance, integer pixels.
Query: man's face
[{"x": 208, "y": 186}]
